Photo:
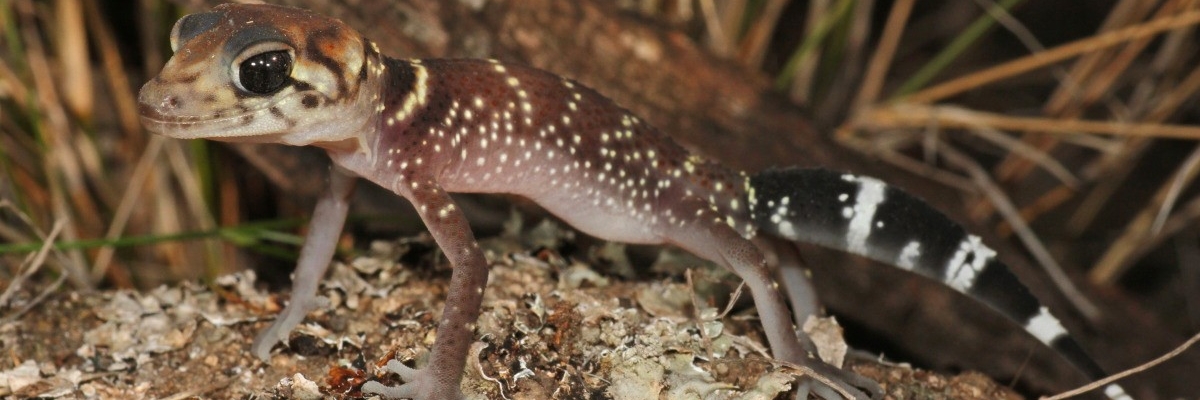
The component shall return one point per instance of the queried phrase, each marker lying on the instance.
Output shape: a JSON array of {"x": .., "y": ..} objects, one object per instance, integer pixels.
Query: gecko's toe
[
  {"x": 856, "y": 386},
  {"x": 406, "y": 373},
  {"x": 404, "y": 391}
]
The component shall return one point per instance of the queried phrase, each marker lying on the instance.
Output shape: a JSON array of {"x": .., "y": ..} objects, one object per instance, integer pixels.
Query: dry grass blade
[
  {"x": 1069, "y": 101},
  {"x": 62, "y": 168},
  {"x": 754, "y": 44},
  {"x": 1051, "y": 56},
  {"x": 850, "y": 51},
  {"x": 117, "y": 79},
  {"x": 912, "y": 116},
  {"x": 1179, "y": 221},
  {"x": 1118, "y": 258},
  {"x": 73, "y": 58},
  {"x": 881, "y": 59},
  {"x": 1113, "y": 67},
  {"x": 962, "y": 40},
  {"x": 1114, "y": 165},
  {"x": 885, "y": 151},
  {"x": 10, "y": 85},
  {"x": 1014, "y": 146},
  {"x": 137, "y": 181},
  {"x": 30, "y": 266},
  {"x": 718, "y": 37},
  {"x": 1175, "y": 189},
  {"x": 804, "y": 65},
  {"x": 192, "y": 201},
  {"x": 58, "y": 162}
]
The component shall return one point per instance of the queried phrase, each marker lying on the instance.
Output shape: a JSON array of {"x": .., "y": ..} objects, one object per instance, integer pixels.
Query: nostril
[{"x": 169, "y": 103}]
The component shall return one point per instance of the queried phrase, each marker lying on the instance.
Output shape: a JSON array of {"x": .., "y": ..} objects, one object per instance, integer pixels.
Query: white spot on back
[{"x": 788, "y": 230}]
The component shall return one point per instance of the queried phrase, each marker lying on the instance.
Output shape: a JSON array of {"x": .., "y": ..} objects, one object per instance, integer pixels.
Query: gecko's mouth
[
  {"x": 260, "y": 124},
  {"x": 225, "y": 128},
  {"x": 273, "y": 122}
]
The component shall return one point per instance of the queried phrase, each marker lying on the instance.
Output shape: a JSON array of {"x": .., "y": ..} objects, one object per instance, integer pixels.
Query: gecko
[{"x": 424, "y": 128}]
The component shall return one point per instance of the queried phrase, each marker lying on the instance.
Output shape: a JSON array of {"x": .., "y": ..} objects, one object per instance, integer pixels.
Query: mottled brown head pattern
[{"x": 263, "y": 73}]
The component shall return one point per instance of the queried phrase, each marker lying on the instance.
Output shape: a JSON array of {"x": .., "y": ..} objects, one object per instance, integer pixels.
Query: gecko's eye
[{"x": 265, "y": 73}]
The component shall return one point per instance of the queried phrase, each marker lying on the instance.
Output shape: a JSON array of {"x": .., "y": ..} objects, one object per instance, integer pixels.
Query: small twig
[
  {"x": 483, "y": 374},
  {"x": 1021, "y": 369},
  {"x": 31, "y": 265},
  {"x": 1121, "y": 375},
  {"x": 1182, "y": 179},
  {"x": 732, "y": 300},
  {"x": 697, "y": 315}
]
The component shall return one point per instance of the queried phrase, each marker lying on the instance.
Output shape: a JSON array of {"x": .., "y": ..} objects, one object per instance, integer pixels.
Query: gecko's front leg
[
  {"x": 456, "y": 330},
  {"x": 315, "y": 256}
]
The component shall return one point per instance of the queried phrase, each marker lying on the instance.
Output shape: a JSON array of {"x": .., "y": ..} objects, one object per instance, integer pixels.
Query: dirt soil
[{"x": 551, "y": 328}]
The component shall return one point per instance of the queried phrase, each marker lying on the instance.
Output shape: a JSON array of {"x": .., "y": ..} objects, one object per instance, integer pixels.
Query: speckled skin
[{"x": 425, "y": 128}]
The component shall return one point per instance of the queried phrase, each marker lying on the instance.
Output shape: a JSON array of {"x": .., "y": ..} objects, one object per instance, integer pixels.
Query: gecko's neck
[{"x": 362, "y": 136}]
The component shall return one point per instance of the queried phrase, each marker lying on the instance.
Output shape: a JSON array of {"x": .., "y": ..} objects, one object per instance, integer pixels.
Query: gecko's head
[{"x": 261, "y": 73}]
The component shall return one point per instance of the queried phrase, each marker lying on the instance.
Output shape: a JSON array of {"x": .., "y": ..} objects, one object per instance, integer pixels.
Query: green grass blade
[{"x": 960, "y": 45}]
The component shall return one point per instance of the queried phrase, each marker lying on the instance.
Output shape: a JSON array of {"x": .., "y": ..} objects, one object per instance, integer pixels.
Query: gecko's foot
[
  {"x": 285, "y": 322},
  {"x": 856, "y": 386},
  {"x": 418, "y": 384}
]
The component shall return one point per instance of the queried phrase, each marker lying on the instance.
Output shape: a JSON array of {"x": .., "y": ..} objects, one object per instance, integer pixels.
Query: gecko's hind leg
[{"x": 710, "y": 237}]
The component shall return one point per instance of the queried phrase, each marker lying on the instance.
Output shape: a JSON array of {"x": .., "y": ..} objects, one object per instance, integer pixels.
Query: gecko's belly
[{"x": 604, "y": 220}]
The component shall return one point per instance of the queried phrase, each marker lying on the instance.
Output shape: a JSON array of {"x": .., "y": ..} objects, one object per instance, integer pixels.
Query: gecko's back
[{"x": 483, "y": 126}]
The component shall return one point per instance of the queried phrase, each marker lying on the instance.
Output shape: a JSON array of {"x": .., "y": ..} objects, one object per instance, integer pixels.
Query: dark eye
[{"x": 266, "y": 73}]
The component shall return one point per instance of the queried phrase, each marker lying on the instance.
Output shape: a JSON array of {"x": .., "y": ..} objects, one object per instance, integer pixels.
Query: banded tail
[{"x": 864, "y": 216}]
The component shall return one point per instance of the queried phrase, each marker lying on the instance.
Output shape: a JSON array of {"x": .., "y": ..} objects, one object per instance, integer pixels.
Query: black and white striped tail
[{"x": 864, "y": 216}]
